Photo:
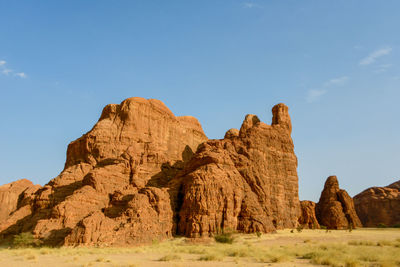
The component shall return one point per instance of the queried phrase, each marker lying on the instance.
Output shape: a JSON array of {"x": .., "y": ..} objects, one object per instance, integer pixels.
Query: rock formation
[
  {"x": 11, "y": 196},
  {"x": 110, "y": 178},
  {"x": 335, "y": 208},
  {"x": 246, "y": 181},
  {"x": 308, "y": 219},
  {"x": 379, "y": 205},
  {"x": 141, "y": 173}
]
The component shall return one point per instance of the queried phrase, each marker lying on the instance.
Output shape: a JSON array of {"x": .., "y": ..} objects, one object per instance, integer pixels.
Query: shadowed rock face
[
  {"x": 379, "y": 205},
  {"x": 141, "y": 173},
  {"x": 335, "y": 208}
]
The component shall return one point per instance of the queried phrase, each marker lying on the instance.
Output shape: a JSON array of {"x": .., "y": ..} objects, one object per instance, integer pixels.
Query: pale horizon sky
[{"x": 334, "y": 63}]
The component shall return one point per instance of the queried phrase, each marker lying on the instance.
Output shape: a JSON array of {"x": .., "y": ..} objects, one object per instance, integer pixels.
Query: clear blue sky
[{"x": 334, "y": 63}]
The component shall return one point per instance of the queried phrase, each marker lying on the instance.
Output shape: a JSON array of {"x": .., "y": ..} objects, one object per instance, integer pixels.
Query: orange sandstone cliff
[
  {"x": 334, "y": 210},
  {"x": 379, "y": 205},
  {"x": 142, "y": 173}
]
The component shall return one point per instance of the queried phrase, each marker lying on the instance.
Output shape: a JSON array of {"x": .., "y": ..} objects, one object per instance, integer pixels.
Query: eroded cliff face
[
  {"x": 335, "y": 208},
  {"x": 379, "y": 205},
  {"x": 246, "y": 181},
  {"x": 141, "y": 174}
]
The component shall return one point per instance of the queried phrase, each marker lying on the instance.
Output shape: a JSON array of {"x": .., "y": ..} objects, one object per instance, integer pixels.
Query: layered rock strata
[
  {"x": 142, "y": 174},
  {"x": 379, "y": 205},
  {"x": 335, "y": 208}
]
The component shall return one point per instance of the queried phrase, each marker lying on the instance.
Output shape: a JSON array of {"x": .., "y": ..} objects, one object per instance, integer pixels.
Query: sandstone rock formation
[
  {"x": 335, "y": 208},
  {"x": 133, "y": 148},
  {"x": 141, "y": 173},
  {"x": 247, "y": 181},
  {"x": 379, "y": 205},
  {"x": 308, "y": 219},
  {"x": 12, "y": 194}
]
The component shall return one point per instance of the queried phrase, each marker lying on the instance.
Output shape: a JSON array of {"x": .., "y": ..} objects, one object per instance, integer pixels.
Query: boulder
[
  {"x": 335, "y": 208},
  {"x": 379, "y": 205}
]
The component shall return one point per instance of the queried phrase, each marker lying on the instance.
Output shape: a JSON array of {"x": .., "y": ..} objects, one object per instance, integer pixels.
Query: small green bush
[
  {"x": 24, "y": 240},
  {"x": 211, "y": 257},
  {"x": 361, "y": 243},
  {"x": 299, "y": 228},
  {"x": 323, "y": 227},
  {"x": 224, "y": 238},
  {"x": 259, "y": 234},
  {"x": 381, "y": 225},
  {"x": 350, "y": 227},
  {"x": 170, "y": 257},
  {"x": 397, "y": 225}
]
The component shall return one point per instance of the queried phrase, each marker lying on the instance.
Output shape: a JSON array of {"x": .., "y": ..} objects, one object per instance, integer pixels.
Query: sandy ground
[{"x": 247, "y": 250}]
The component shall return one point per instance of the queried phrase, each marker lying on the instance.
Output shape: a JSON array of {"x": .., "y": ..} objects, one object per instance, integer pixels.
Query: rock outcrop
[
  {"x": 308, "y": 219},
  {"x": 113, "y": 178},
  {"x": 141, "y": 174},
  {"x": 11, "y": 196},
  {"x": 379, "y": 205},
  {"x": 335, "y": 208},
  {"x": 246, "y": 181}
]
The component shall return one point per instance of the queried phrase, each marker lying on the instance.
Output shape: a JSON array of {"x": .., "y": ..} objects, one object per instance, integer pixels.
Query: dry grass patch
[
  {"x": 361, "y": 247},
  {"x": 226, "y": 238},
  {"x": 211, "y": 257},
  {"x": 170, "y": 257},
  {"x": 30, "y": 257},
  {"x": 101, "y": 259}
]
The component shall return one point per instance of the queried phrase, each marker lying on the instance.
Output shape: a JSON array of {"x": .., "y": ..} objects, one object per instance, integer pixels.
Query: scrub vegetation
[{"x": 360, "y": 247}]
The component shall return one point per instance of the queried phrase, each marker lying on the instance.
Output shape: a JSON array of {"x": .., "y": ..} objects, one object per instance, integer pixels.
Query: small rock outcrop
[
  {"x": 308, "y": 219},
  {"x": 15, "y": 201},
  {"x": 379, "y": 205},
  {"x": 335, "y": 208},
  {"x": 142, "y": 173},
  {"x": 9, "y": 196}
]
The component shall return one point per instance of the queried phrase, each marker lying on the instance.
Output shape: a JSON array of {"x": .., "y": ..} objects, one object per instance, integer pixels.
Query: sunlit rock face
[
  {"x": 379, "y": 205},
  {"x": 13, "y": 197},
  {"x": 246, "y": 181},
  {"x": 335, "y": 208}
]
